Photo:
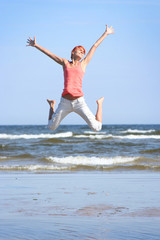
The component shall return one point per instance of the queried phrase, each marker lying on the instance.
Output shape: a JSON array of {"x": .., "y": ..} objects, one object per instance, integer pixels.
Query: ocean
[
  {"x": 74, "y": 183},
  {"x": 116, "y": 148}
]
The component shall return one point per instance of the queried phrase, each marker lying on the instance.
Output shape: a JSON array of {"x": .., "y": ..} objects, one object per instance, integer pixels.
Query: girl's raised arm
[
  {"x": 57, "y": 59},
  {"x": 87, "y": 59}
]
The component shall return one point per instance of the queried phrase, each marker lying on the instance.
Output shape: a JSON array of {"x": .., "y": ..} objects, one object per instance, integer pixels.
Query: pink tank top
[{"x": 73, "y": 80}]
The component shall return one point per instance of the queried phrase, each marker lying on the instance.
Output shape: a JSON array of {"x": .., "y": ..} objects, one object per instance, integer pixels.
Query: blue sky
[{"x": 124, "y": 68}]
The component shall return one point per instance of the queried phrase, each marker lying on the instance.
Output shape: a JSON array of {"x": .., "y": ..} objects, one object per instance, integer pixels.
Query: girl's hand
[
  {"x": 109, "y": 30},
  {"x": 31, "y": 42}
]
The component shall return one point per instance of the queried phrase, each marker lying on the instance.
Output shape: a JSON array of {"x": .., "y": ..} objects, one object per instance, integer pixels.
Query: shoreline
[{"x": 74, "y": 201}]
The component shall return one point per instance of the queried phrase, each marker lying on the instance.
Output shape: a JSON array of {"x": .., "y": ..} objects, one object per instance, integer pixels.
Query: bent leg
[
  {"x": 81, "y": 108},
  {"x": 61, "y": 112}
]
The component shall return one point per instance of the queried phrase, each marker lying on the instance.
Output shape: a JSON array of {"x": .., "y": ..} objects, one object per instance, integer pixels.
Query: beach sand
[{"x": 79, "y": 206}]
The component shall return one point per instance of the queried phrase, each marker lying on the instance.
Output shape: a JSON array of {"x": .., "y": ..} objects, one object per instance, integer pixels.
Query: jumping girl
[{"x": 72, "y": 99}]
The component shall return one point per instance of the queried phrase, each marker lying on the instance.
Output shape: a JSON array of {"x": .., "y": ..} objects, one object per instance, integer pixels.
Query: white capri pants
[{"x": 78, "y": 106}]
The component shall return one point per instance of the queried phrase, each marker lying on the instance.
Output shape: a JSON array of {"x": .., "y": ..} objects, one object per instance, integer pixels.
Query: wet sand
[{"x": 79, "y": 206}]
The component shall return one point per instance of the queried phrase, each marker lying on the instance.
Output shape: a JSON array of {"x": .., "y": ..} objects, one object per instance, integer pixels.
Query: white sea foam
[
  {"x": 94, "y": 136},
  {"x": 3, "y": 157},
  {"x": 94, "y": 133},
  {"x": 137, "y": 131},
  {"x": 35, "y": 136},
  {"x": 92, "y": 161},
  {"x": 33, "y": 168},
  {"x": 70, "y": 134},
  {"x": 119, "y": 136},
  {"x": 138, "y": 137}
]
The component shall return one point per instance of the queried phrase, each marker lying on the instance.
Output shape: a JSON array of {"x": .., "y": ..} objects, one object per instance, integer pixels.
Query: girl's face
[{"x": 79, "y": 52}]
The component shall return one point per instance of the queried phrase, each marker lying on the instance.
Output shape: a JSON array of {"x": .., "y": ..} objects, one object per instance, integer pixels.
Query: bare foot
[
  {"x": 51, "y": 103},
  {"x": 100, "y": 101}
]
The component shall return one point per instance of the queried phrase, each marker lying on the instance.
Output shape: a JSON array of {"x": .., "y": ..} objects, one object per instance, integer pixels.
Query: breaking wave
[
  {"x": 78, "y": 163},
  {"x": 92, "y": 161},
  {"x": 33, "y": 168},
  {"x": 118, "y": 136},
  {"x": 137, "y": 131},
  {"x": 35, "y": 136}
]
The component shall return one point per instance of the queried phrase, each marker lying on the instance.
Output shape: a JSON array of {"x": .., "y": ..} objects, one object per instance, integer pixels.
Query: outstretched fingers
[
  {"x": 109, "y": 30},
  {"x": 31, "y": 42},
  {"x": 28, "y": 41}
]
